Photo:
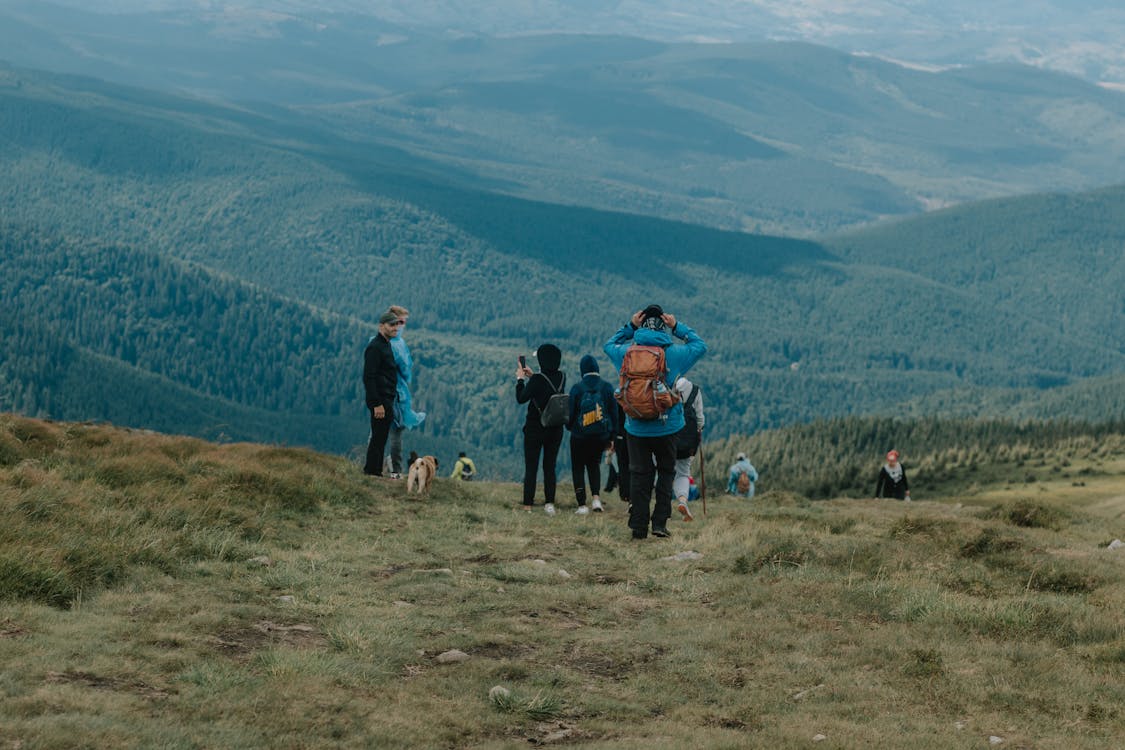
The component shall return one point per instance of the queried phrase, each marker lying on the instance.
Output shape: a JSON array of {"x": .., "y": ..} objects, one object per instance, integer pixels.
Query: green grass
[{"x": 166, "y": 592}]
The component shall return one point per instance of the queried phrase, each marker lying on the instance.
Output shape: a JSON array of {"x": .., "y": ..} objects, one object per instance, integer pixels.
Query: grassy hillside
[{"x": 253, "y": 596}]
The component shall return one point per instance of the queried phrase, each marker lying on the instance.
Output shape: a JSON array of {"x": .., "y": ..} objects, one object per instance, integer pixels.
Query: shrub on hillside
[
  {"x": 778, "y": 553},
  {"x": 987, "y": 542},
  {"x": 1033, "y": 515}
]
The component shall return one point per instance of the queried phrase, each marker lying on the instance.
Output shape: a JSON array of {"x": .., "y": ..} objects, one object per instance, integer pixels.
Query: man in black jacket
[{"x": 380, "y": 380}]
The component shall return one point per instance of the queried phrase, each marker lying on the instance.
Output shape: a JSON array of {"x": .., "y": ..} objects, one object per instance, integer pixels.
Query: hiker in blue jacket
[
  {"x": 741, "y": 466},
  {"x": 593, "y": 422},
  {"x": 651, "y": 442},
  {"x": 405, "y": 418}
]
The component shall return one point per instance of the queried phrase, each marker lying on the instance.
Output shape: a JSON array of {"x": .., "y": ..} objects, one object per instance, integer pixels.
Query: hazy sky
[{"x": 1077, "y": 36}]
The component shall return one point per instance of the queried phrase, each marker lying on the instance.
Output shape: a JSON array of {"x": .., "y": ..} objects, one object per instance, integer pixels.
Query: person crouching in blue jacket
[{"x": 652, "y": 442}]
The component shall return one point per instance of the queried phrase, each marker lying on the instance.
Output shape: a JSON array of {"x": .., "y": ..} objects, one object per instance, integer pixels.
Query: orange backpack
[{"x": 643, "y": 392}]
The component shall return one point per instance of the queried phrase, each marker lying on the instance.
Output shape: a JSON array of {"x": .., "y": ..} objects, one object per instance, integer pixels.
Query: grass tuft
[
  {"x": 989, "y": 541},
  {"x": 924, "y": 663},
  {"x": 1031, "y": 515},
  {"x": 779, "y": 554}
]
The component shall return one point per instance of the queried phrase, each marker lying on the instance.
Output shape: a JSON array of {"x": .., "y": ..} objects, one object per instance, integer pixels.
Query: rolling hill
[
  {"x": 778, "y": 137},
  {"x": 239, "y": 259}
]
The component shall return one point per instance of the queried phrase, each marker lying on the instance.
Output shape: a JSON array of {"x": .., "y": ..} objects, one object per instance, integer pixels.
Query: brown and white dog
[{"x": 421, "y": 474}]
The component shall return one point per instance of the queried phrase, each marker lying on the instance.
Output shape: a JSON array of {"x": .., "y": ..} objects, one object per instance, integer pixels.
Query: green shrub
[
  {"x": 289, "y": 494},
  {"x": 1062, "y": 580},
  {"x": 925, "y": 663},
  {"x": 988, "y": 542},
  {"x": 1033, "y": 515},
  {"x": 143, "y": 468},
  {"x": 920, "y": 526},
  {"x": 781, "y": 553},
  {"x": 35, "y": 580},
  {"x": 10, "y": 453},
  {"x": 41, "y": 503}
]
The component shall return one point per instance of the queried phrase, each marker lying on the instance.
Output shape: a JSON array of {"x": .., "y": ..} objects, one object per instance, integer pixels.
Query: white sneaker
[
  {"x": 597, "y": 506},
  {"x": 685, "y": 511},
  {"x": 549, "y": 509},
  {"x": 582, "y": 510}
]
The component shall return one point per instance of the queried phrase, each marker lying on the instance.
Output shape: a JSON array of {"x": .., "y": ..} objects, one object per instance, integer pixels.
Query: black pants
[
  {"x": 535, "y": 441},
  {"x": 651, "y": 458},
  {"x": 621, "y": 449},
  {"x": 586, "y": 460},
  {"x": 380, "y": 428},
  {"x": 396, "y": 448}
]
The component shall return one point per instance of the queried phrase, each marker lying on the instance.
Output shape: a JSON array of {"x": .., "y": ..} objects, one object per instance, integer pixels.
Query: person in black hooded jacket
[
  {"x": 593, "y": 415},
  {"x": 533, "y": 389}
]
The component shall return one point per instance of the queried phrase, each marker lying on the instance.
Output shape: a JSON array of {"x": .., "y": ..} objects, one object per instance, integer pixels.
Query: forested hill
[
  {"x": 1056, "y": 258},
  {"x": 238, "y": 264}
]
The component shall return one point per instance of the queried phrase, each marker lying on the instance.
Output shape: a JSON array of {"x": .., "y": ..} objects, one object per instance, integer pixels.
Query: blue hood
[{"x": 648, "y": 337}]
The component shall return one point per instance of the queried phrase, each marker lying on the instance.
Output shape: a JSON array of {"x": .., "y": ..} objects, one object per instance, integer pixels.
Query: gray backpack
[{"x": 556, "y": 412}]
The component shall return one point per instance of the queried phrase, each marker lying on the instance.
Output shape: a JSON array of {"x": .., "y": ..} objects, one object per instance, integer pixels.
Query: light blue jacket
[
  {"x": 405, "y": 416},
  {"x": 678, "y": 357},
  {"x": 737, "y": 468}
]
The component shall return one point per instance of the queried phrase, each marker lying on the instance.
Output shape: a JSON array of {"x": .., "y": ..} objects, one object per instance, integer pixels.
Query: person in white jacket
[{"x": 687, "y": 442}]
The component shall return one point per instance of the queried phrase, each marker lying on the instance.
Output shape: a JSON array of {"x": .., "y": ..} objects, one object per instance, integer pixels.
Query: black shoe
[
  {"x": 640, "y": 534},
  {"x": 661, "y": 532}
]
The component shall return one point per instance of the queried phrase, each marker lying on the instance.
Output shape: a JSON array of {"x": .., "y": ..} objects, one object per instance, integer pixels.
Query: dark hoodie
[
  {"x": 592, "y": 381},
  {"x": 538, "y": 388}
]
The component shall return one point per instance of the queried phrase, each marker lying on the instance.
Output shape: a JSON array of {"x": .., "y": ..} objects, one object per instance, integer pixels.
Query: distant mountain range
[
  {"x": 1075, "y": 36},
  {"x": 233, "y": 262},
  {"x": 765, "y": 137}
]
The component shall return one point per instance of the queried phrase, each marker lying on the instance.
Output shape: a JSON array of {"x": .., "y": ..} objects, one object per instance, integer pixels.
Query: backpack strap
[
  {"x": 691, "y": 396},
  {"x": 551, "y": 386},
  {"x": 562, "y": 385}
]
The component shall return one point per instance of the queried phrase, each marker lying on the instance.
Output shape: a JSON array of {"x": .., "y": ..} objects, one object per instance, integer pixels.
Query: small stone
[
  {"x": 452, "y": 657},
  {"x": 401, "y": 603},
  {"x": 1116, "y": 544},
  {"x": 539, "y": 562},
  {"x": 564, "y": 574},
  {"x": 959, "y": 725},
  {"x": 819, "y": 738},
  {"x": 687, "y": 555},
  {"x": 287, "y": 599},
  {"x": 994, "y": 740},
  {"x": 499, "y": 692}
]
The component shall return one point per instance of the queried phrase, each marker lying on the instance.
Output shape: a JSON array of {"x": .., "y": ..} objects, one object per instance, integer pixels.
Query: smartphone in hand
[{"x": 523, "y": 361}]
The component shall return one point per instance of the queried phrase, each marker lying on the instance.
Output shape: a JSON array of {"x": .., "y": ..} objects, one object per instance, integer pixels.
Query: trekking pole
[{"x": 702, "y": 477}]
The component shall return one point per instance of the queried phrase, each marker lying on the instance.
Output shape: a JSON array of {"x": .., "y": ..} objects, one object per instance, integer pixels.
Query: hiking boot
[
  {"x": 549, "y": 509},
  {"x": 685, "y": 511},
  {"x": 660, "y": 531},
  {"x": 597, "y": 506},
  {"x": 582, "y": 510}
]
